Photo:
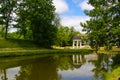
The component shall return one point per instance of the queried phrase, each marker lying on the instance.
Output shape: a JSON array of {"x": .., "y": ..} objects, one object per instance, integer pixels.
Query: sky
[{"x": 71, "y": 12}]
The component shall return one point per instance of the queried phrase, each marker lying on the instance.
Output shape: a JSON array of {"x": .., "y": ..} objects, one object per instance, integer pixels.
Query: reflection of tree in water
[
  {"x": 3, "y": 74},
  {"x": 115, "y": 72},
  {"x": 45, "y": 69},
  {"x": 116, "y": 61},
  {"x": 65, "y": 62},
  {"x": 102, "y": 66}
]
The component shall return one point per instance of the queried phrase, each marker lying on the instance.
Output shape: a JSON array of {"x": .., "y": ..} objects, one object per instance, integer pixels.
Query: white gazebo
[{"x": 77, "y": 42}]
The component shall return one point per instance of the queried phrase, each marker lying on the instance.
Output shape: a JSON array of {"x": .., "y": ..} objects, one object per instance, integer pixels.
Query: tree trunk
[
  {"x": 6, "y": 30},
  {"x": 5, "y": 74}
]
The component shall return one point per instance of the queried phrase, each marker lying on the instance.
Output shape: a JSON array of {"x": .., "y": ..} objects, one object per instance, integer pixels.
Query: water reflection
[
  {"x": 45, "y": 69},
  {"x": 9, "y": 74},
  {"x": 77, "y": 60},
  {"x": 60, "y": 67},
  {"x": 102, "y": 66},
  {"x": 83, "y": 68}
]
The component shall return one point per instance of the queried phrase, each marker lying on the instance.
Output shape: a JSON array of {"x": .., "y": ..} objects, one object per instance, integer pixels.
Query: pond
[{"x": 59, "y": 67}]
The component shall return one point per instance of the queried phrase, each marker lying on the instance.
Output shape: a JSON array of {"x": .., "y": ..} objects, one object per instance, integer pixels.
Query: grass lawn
[
  {"x": 42, "y": 51},
  {"x": 114, "y": 50},
  {"x": 14, "y": 43},
  {"x": 12, "y": 47}
]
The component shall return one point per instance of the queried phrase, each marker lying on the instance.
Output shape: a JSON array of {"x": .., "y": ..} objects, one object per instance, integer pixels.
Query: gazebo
[{"x": 77, "y": 42}]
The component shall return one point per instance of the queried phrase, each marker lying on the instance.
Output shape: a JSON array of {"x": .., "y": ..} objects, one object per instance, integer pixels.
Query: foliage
[
  {"x": 116, "y": 61},
  {"x": 103, "y": 27},
  {"x": 35, "y": 21},
  {"x": 65, "y": 35}
]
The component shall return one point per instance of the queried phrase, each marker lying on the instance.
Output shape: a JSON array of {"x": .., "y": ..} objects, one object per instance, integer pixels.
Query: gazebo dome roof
[
  {"x": 77, "y": 65},
  {"x": 76, "y": 37}
]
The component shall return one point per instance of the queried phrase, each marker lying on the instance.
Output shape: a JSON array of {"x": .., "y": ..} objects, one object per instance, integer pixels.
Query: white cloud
[
  {"x": 85, "y": 6},
  {"x": 74, "y": 21},
  {"x": 61, "y": 6}
]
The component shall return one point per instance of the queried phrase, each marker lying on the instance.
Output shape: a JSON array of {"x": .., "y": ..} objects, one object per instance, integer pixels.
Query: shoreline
[
  {"x": 29, "y": 52},
  {"x": 16, "y": 52}
]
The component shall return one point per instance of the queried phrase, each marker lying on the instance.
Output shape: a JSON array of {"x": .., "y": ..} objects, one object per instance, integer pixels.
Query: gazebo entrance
[{"x": 77, "y": 42}]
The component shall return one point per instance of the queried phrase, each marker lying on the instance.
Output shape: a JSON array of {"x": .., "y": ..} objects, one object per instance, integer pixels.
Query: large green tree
[
  {"x": 36, "y": 21},
  {"x": 103, "y": 27}
]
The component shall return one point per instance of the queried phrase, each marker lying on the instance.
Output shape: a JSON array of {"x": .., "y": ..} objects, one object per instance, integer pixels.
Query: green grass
[
  {"x": 114, "y": 50},
  {"x": 14, "y": 47},
  {"x": 108, "y": 52},
  {"x": 15, "y": 43},
  {"x": 42, "y": 51}
]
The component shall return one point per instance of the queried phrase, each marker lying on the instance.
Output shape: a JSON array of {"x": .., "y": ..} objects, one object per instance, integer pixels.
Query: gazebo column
[
  {"x": 73, "y": 44},
  {"x": 80, "y": 44},
  {"x": 77, "y": 44},
  {"x": 80, "y": 58},
  {"x": 77, "y": 59},
  {"x": 73, "y": 58}
]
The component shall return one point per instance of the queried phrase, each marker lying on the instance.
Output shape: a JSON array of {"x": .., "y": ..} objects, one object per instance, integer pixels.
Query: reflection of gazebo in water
[
  {"x": 77, "y": 60},
  {"x": 77, "y": 42}
]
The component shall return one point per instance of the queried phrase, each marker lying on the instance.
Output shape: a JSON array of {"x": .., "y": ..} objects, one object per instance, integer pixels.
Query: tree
[
  {"x": 62, "y": 36},
  {"x": 65, "y": 35},
  {"x": 7, "y": 8},
  {"x": 36, "y": 21},
  {"x": 102, "y": 28}
]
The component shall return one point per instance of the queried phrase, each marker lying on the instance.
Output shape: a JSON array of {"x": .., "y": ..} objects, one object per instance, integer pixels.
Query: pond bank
[
  {"x": 16, "y": 52},
  {"x": 31, "y": 52}
]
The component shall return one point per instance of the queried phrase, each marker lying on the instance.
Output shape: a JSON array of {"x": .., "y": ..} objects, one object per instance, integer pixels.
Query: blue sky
[
  {"x": 74, "y": 9},
  {"x": 71, "y": 12}
]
